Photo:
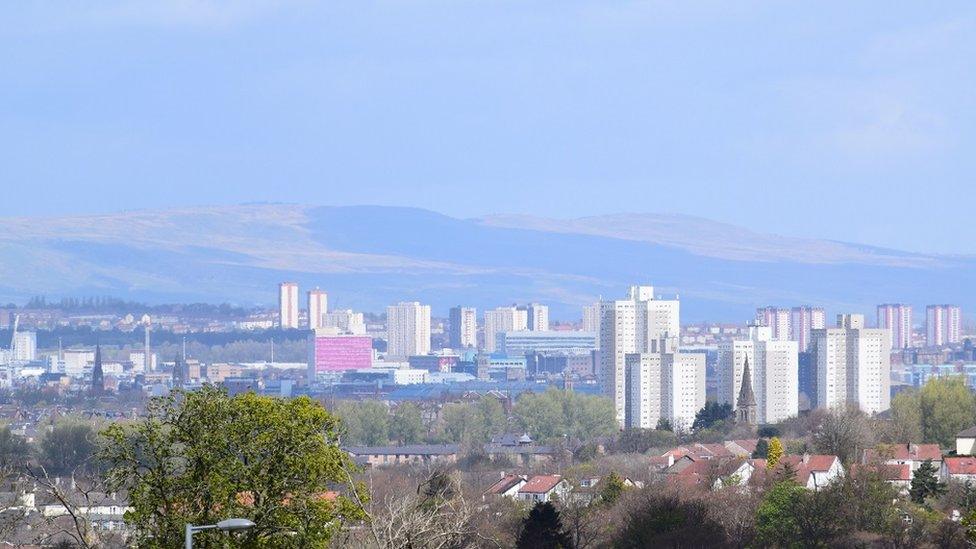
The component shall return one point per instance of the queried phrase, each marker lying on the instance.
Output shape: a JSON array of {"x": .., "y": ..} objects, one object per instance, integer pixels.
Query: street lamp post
[{"x": 229, "y": 525}]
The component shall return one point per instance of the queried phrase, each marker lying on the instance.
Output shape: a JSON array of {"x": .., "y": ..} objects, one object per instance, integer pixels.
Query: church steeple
[
  {"x": 745, "y": 411},
  {"x": 98, "y": 375}
]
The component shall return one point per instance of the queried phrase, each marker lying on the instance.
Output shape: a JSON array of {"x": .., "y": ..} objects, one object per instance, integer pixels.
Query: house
[
  {"x": 520, "y": 450},
  {"x": 897, "y": 475},
  {"x": 812, "y": 471},
  {"x": 966, "y": 442},
  {"x": 742, "y": 448},
  {"x": 506, "y": 486},
  {"x": 542, "y": 488},
  {"x": 698, "y": 451},
  {"x": 961, "y": 468},
  {"x": 689, "y": 472},
  {"x": 426, "y": 454},
  {"x": 912, "y": 455}
]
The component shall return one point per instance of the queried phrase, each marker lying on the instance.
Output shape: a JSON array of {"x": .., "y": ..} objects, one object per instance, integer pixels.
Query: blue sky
[{"x": 843, "y": 120}]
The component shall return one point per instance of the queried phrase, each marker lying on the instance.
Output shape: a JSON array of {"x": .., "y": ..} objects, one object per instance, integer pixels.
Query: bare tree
[{"x": 78, "y": 496}]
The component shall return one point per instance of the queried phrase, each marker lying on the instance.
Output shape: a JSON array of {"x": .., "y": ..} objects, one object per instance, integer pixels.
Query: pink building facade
[{"x": 335, "y": 353}]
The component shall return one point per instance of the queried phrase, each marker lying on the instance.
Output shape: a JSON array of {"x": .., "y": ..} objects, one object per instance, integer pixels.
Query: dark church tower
[
  {"x": 98, "y": 376},
  {"x": 179, "y": 373},
  {"x": 745, "y": 411}
]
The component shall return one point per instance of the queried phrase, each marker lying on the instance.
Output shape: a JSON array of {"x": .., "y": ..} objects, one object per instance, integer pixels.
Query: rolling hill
[{"x": 370, "y": 256}]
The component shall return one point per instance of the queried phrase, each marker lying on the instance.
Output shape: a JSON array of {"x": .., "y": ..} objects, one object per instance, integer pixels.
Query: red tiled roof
[
  {"x": 905, "y": 452},
  {"x": 817, "y": 463},
  {"x": 960, "y": 465},
  {"x": 540, "y": 484}
]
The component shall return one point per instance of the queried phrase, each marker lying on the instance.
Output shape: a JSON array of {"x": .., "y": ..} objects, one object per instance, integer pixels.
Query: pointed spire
[
  {"x": 746, "y": 395},
  {"x": 98, "y": 374}
]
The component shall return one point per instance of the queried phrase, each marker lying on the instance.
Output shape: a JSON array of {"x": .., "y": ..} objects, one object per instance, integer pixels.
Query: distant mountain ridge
[{"x": 370, "y": 256}]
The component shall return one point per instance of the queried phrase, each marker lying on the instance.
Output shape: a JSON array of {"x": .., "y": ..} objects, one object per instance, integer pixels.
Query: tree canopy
[{"x": 203, "y": 456}]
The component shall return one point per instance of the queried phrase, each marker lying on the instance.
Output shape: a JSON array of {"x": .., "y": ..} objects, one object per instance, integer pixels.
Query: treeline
[
  {"x": 551, "y": 416},
  {"x": 108, "y": 304}
]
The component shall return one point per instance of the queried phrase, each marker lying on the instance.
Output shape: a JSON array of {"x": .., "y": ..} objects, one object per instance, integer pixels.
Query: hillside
[{"x": 369, "y": 256}]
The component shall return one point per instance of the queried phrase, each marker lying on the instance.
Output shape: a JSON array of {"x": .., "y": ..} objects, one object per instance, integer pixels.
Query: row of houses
[{"x": 519, "y": 450}]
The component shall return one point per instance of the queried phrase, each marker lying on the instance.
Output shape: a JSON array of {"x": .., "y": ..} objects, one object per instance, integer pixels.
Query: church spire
[
  {"x": 745, "y": 411},
  {"x": 98, "y": 375}
]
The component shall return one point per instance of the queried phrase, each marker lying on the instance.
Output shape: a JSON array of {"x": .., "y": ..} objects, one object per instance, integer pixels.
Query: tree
[
  {"x": 905, "y": 425},
  {"x": 473, "y": 422},
  {"x": 613, "y": 487},
  {"x": 843, "y": 433},
  {"x": 660, "y": 518},
  {"x": 365, "y": 422},
  {"x": 638, "y": 441},
  {"x": 554, "y": 414},
  {"x": 775, "y": 453},
  {"x": 762, "y": 449},
  {"x": 925, "y": 483},
  {"x": 67, "y": 446},
  {"x": 947, "y": 407},
  {"x": 711, "y": 414},
  {"x": 664, "y": 425},
  {"x": 775, "y": 521},
  {"x": 14, "y": 450},
  {"x": 203, "y": 456},
  {"x": 406, "y": 425},
  {"x": 543, "y": 529}
]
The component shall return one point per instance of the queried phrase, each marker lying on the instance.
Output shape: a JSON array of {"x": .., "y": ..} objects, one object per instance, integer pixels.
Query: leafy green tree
[
  {"x": 613, "y": 488},
  {"x": 947, "y": 407},
  {"x": 711, "y": 414},
  {"x": 867, "y": 487},
  {"x": 406, "y": 425},
  {"x": 906, "y": 418},
  {"x": 365, "y": 422},
  {"x": 762, "y": 449},
  {"x": 925, "y": 484},
  {"x": 473, "y": 422},
  {"x": 543, "y": 529},
  {"x": 776, "y": 524},
  {"x": 14, "y": 450},
  {"x": 202, "y": 456},
  {"x": 556, "y": 413},
  {"x": 67, "y": 446},
  {"x": 664, "y": 425},
  {"x": 774, "y": 453}
]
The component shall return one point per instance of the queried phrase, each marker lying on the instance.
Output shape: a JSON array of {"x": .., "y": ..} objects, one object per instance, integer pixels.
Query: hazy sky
[{"x": 846, "y": 120}]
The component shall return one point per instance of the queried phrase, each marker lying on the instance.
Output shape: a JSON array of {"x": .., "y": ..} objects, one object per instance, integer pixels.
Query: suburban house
[
  {"x": 812, "y": 471},
  {"x": 966, "y": 442},
  {"x": 689, "y": 472},
  {"x": 961, "y": 468},
  {"x": 420, "y": 454},
  {"x": 897, "y": 475},
  {"x": 507, "y": 486},
  {"x": 542, "y": 488},
  {"x": 912, "y": 455},
  {"x": 535, "y": 489}
]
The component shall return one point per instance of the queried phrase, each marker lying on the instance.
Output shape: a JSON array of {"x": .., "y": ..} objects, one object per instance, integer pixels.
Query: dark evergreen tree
[
  {"x": 543, "y": 529},
  {"x": 711, "y": 414},
  {"x": 664, "y": 425},
  {"x": 762, "y": 448},
  {"x": 925, "y": 483}
]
